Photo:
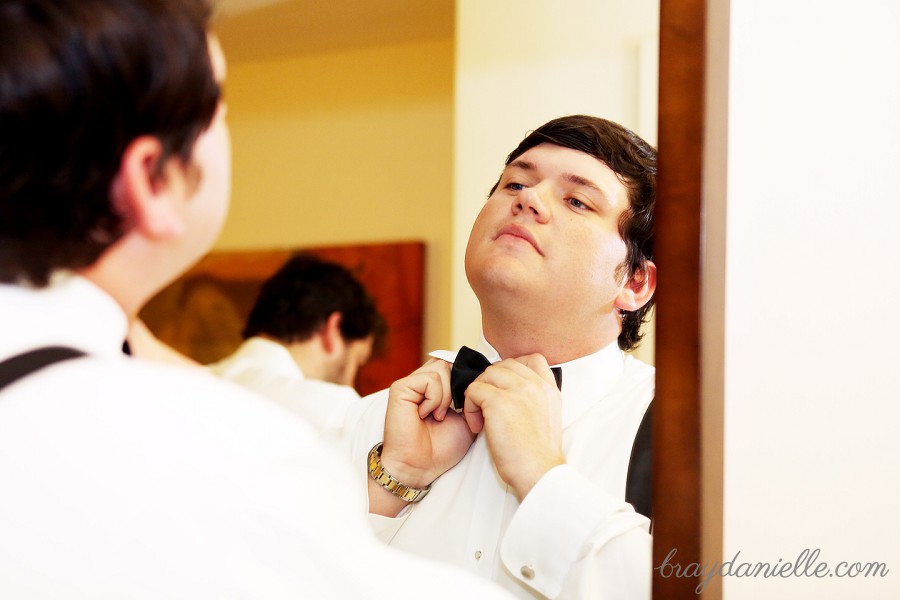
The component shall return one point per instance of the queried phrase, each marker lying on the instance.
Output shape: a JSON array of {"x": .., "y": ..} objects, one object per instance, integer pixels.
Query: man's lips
[{"x": 521, "y": 232}]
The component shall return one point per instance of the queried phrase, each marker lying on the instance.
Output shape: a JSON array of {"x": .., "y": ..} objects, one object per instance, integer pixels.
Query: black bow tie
[{"x": 469, "y": 364}]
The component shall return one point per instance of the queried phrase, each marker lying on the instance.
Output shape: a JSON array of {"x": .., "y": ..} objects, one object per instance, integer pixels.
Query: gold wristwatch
[{"x": 387, "y": 481}]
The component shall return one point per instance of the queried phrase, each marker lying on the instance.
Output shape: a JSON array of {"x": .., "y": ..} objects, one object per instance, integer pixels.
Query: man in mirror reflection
[
  {"x": 311, "y": 328},
  {"x": 526, "y": 484},
  {"x": 123, "y": 478}
]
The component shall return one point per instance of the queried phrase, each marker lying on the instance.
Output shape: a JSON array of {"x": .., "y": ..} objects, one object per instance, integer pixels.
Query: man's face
[
  {"x": 548, "y": 237},
  {"x": 356, "y": 354}
]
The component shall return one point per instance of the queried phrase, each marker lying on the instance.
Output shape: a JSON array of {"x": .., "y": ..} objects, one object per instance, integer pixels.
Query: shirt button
[
  {"x": 527, "y": 572},
  {"x": 478, "y": 555}
]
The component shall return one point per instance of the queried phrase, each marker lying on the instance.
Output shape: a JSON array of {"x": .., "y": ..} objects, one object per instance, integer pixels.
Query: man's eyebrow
[
  {"x": 526, "y": 165},
  {"x": 579, "y": 180},
  {"x": 522, "y": 164}
]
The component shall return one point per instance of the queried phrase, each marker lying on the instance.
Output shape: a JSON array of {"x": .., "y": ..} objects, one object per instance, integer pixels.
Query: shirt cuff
[
  {"x": 561, "y": 521},
  {"x": 386, "y": 528}
]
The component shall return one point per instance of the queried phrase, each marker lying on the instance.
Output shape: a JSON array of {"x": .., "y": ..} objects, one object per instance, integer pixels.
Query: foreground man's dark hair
[{"x": 79, "y": 81}]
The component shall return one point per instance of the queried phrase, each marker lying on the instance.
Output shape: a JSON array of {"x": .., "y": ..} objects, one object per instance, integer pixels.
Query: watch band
[{"x": 387, "y": 481}]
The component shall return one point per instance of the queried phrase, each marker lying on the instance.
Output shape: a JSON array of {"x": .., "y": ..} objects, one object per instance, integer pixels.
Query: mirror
[{"x": 348, "y": 118}]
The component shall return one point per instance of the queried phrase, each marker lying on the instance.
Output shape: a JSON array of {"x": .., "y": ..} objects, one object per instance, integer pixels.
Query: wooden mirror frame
[{"x": 678, "y": 461}]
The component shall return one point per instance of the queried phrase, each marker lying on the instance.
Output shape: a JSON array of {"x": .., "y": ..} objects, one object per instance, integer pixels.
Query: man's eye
[
  {"x": 576, "y": 203},
  {"x": 516, "y": 187}
]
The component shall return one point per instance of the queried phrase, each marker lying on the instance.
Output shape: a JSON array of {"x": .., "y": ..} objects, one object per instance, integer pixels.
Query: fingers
[
  {"x": 537, "y": 364},
  {"x": 428, "y": 387},
  {"x": 473, "y": 415},
  {"x": 511, "y": 373},
  {"x": 421, "y": 438},
  {"x": 516, "y": 405},
  {"x": 511, "y": 376}
]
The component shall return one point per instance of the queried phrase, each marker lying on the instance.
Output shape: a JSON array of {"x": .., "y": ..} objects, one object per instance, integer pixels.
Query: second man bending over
[{"x": 312, "y": 328}]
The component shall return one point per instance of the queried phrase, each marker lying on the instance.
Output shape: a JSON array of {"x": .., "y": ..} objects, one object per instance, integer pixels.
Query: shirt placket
[{"x": 496, "y": 505}]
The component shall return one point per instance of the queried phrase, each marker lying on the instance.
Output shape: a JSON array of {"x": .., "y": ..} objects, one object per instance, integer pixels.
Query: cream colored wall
[
  {"x": 344, "y": 147},
  {"x": 812, "y": 418},
  {"x": 520, "y": 63}
]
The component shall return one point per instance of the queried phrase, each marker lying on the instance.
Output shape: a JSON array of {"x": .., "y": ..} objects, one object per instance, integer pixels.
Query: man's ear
[
  {"x": 147, "y": 196},
  {"x": 638, "y": 289},
  {"x": 332, "y": 338}
]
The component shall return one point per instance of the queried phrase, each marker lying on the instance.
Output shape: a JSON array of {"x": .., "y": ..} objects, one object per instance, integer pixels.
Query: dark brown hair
[
  {"x": 79, "y": 81},
  {"x": 297, "y": 300}
]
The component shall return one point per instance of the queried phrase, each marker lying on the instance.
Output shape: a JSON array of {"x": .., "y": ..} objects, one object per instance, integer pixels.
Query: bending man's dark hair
[
  {"x": 79, "y": 81},
  {"x": 296, "y": 302},
  {"x": 634, "y": 161}
]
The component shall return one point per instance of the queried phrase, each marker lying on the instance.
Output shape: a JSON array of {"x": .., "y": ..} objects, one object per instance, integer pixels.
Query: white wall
[
  {"x": 812, "y": 380},
  {"x": 520, "y": 63}
]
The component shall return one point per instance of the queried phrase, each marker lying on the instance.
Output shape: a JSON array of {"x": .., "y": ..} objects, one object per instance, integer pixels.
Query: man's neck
[
  {"x": 308, "y": 357},
  {"x": 131, "y": 271},
  {"x": 559, "y": 342}
]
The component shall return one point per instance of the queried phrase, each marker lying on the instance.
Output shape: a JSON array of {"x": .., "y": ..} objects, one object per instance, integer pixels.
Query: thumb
[{"x": 474, "y": 417}]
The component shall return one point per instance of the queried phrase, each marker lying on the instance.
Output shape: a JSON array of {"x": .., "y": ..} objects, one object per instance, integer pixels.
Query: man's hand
[
  {"x": 517, "y": 404},
  {"x": 422, "y": 438}
]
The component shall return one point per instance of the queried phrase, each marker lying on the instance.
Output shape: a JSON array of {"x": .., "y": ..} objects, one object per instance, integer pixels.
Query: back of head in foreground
[{"x": 84, "y": 87}]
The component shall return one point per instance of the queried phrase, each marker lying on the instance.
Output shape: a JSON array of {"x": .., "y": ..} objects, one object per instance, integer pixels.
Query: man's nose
[{"x": 531, "y": 200}]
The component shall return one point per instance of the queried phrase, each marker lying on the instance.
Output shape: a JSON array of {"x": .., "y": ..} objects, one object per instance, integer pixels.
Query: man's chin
[{"x": 505, "y": 276}]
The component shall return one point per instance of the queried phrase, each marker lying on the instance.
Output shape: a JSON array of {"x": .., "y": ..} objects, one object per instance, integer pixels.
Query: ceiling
[{"x": 265, "y": 29}]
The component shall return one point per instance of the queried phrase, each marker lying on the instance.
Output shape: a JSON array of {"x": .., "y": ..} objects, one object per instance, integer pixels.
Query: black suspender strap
[
  {"x": 21, "y": 365},
  {"x": 639, "y": 482}
]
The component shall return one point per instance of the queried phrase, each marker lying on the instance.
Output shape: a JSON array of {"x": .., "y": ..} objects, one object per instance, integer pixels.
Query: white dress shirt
[
  {"x": 266, "y": 367},
  {"x": 573, "y": 536},
  {"x": 126, "y": 479}
]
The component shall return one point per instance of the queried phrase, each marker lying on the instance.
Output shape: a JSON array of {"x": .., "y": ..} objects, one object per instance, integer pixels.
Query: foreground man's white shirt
[{"x": 125, "y": 479}]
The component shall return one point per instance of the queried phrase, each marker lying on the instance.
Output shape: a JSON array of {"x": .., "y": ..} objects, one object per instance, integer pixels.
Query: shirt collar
[
  {"x": 70, "y": 311},
  {"x": 275, "y": 356},
  {"x": 584, "y": 380}
]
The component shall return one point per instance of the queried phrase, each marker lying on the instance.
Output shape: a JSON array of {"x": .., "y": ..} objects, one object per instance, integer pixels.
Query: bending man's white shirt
[
  {"x": 573, "y": 536},
  {"x": 129, "y": 479},
  {"x": 266, "y": 367}
]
